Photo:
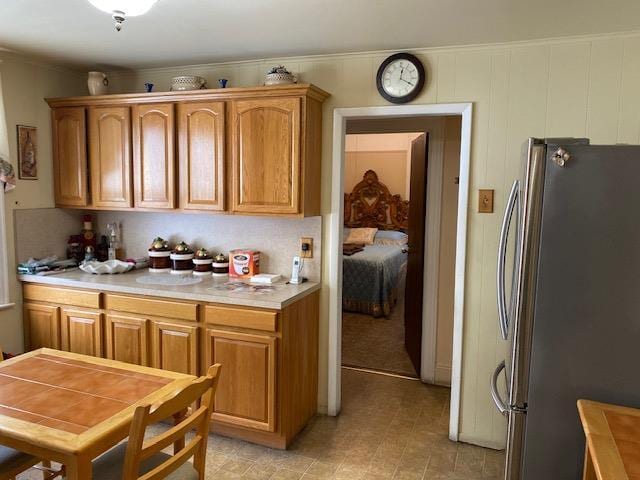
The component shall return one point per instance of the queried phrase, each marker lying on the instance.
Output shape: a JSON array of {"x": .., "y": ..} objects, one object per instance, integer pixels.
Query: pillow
[
  {"x": 362, "y": 235},
  {"x": 390, "y": 237}
]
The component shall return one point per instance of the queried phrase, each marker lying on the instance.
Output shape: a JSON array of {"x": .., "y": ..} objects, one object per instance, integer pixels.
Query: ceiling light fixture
[{"x": 121, "y": 9}]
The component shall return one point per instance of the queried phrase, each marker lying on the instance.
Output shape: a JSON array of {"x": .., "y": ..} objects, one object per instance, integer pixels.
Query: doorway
[
  {"x": 380, "y": 197},
  {"x": 427, "y": 364}
]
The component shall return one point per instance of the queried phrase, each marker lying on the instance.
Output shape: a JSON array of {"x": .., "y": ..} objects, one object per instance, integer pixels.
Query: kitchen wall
[
  {"x": 25, "y": 84},
  {"x": 278, "y": 239},
  {"x": 582, "y": 86},
  {"x": 41, "y": 232}
]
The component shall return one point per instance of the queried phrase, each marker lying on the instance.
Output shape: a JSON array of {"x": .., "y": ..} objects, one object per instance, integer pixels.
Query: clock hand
[{"x": 406, "y": 81}]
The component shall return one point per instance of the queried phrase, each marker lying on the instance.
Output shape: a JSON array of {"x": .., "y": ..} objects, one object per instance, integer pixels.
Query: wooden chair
[
  {"x": 14, "y": 462},
  {"x": 138, "y": 459}
]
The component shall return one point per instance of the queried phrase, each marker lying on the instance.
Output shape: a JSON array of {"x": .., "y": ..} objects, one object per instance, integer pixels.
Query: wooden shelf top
[
  {"x": 613, "y": 438},
  {"x": 301, "y": 89}
]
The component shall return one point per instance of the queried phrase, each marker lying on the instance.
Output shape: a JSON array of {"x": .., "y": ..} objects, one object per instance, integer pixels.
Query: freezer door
[{"x": 587, "y": 305}]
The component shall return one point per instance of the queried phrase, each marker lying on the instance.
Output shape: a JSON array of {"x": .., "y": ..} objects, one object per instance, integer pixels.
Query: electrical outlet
[{"x": 306, "y": 247}]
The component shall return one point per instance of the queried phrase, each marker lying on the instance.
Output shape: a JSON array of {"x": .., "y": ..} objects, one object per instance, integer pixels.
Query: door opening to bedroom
[{"x": 400, "y": 213}]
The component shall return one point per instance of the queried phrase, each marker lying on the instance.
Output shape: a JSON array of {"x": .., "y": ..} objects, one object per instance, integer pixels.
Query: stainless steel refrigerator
[{"x": 568, "y": 299}]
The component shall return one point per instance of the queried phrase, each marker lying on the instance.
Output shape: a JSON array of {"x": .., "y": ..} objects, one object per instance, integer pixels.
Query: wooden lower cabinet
[
  {"x": 174, "y": 346},
  {"x": 268, "y": 385},
  {"x": 81, "y": 332},
  {"x": 41, "y": 326},
  {"x": 127, "y": 339},
  {"x": 246, "y": 394}
]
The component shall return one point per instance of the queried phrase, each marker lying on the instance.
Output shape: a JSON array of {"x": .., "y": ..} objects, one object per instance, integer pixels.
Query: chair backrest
[{"x": 199, "y": 394}]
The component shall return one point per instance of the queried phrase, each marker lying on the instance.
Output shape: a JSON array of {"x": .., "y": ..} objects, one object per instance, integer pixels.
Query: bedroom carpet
[
  {"x": 376, "y": 343},
  {"x": 389, "y": 428}
]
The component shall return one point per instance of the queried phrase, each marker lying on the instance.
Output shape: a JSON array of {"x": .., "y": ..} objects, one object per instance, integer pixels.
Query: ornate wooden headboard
[{"x": 371, "y": 204}]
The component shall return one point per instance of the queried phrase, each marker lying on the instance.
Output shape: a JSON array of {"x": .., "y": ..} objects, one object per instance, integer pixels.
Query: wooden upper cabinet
[
  {"x": 70, "y": 157},
  {"x": 110, "y": 156},
  {"x": 201, "y": 139},
  {"x": 153, "y": 156},
  {"x": 266, "y": 162},
  {"x": 243, "y": 150}
]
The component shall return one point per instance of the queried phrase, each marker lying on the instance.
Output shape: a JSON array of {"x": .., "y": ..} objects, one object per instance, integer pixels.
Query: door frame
[{"x": 336, "y": 220}]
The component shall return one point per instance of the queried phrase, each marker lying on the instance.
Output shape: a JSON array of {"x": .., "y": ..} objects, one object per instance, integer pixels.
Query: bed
[{"x": 372, "y": 277}]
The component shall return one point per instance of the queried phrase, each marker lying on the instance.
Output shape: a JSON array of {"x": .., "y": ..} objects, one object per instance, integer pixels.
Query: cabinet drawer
[
  {"x": 148, "y": 306},
  {"x": 235, "y": 317},
  {"x": 63, "y": 296}
]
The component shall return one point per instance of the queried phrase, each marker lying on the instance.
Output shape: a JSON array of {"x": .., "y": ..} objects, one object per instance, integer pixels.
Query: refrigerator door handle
[
  {"x": 502, "y": 258},
  {"x": 502, "y": 406}
]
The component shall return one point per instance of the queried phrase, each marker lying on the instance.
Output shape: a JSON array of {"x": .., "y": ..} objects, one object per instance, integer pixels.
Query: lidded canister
[
  {"x": 181, "y": 259},
  {"x": 220, "y": 266},
  {"x": 159, "y": 253},
  {"x": 202, "y": 262}
]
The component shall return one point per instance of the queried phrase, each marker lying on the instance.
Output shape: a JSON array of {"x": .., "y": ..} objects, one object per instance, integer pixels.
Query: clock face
[{"x": 400, "y": 78}]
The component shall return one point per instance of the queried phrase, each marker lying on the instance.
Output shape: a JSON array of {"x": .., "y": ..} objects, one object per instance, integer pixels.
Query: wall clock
[{"x": 400, "y": 78}]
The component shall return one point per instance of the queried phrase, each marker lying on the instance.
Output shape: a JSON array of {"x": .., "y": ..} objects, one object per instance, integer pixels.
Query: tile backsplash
[
  {"x": 45, "y": 231},
  {"x": 277, "y": 238}
]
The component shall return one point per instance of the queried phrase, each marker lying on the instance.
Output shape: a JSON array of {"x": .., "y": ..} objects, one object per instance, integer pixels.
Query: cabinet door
[
  {"x": 153, "y": 156},
  {"x": 42, "y": 326},
  {"x": 70, "y": 157},
  {"x": 127, "y": 339},
  {"x": 201, "y": 155},
  {"x": 246, "y": 394},
  {"x": 81, "y": 332},
  {"x": 110, "y": 156},
  {"x": 266, "y": 155},
  {"x": 174, "y": 347}
]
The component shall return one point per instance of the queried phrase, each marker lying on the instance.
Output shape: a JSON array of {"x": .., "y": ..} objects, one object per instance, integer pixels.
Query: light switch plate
[
  {"x": 308, "y": 253},
  {"x": 485, "y": 201}
]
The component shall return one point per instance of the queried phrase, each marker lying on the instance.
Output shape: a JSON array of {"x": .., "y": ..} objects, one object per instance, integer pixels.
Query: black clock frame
[{"x": 421, "y": 78}]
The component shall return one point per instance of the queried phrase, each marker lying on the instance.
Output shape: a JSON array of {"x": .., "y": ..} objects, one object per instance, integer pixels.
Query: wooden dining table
[{"x": 71, "y": 408}]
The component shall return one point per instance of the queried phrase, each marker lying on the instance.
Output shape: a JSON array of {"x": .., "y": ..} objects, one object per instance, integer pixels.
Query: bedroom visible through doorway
[{"x": 399, "y": 243}]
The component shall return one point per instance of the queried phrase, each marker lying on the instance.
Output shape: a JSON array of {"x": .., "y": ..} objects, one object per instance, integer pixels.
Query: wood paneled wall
[{"x": 586, "y": 86}]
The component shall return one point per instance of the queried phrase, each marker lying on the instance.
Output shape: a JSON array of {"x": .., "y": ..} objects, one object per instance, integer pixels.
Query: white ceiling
[{"x": 183, "y": 32}]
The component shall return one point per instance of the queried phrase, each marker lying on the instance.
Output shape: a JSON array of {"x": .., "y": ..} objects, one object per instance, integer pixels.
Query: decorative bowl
[
  {"x": 279, "y": 75},
  {"x": 187, "y": 82}
]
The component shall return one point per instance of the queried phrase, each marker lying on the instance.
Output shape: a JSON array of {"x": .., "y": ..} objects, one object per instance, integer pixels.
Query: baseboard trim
[{"x": 379, "y": 372}]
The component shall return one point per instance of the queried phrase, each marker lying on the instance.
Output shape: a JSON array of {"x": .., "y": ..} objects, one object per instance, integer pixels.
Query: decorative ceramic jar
[
  {"x": 181, "y": 259},
  {"x": 159, "y": 253},
  {"x": 98, "y": 83},
  {"x": 220, "y": 266},
  {"x": 202, "y": 263},
  {"x": 280, "y": 76},
  {"x": 187, "y": 82}
]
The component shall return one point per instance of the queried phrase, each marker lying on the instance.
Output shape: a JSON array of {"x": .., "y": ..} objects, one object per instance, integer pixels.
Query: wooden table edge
[{"x": 601, "y": 445}]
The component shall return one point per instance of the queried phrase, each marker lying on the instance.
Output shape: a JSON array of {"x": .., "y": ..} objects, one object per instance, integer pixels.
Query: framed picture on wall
[{"x": 27, "y": 153}]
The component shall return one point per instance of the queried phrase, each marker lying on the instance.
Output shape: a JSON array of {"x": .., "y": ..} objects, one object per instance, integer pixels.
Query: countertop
[{"x": 206, "y": 291}]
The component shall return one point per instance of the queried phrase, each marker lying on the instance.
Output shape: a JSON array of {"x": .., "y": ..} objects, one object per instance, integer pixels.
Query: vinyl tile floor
[{"x": 389, "y": 428}]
